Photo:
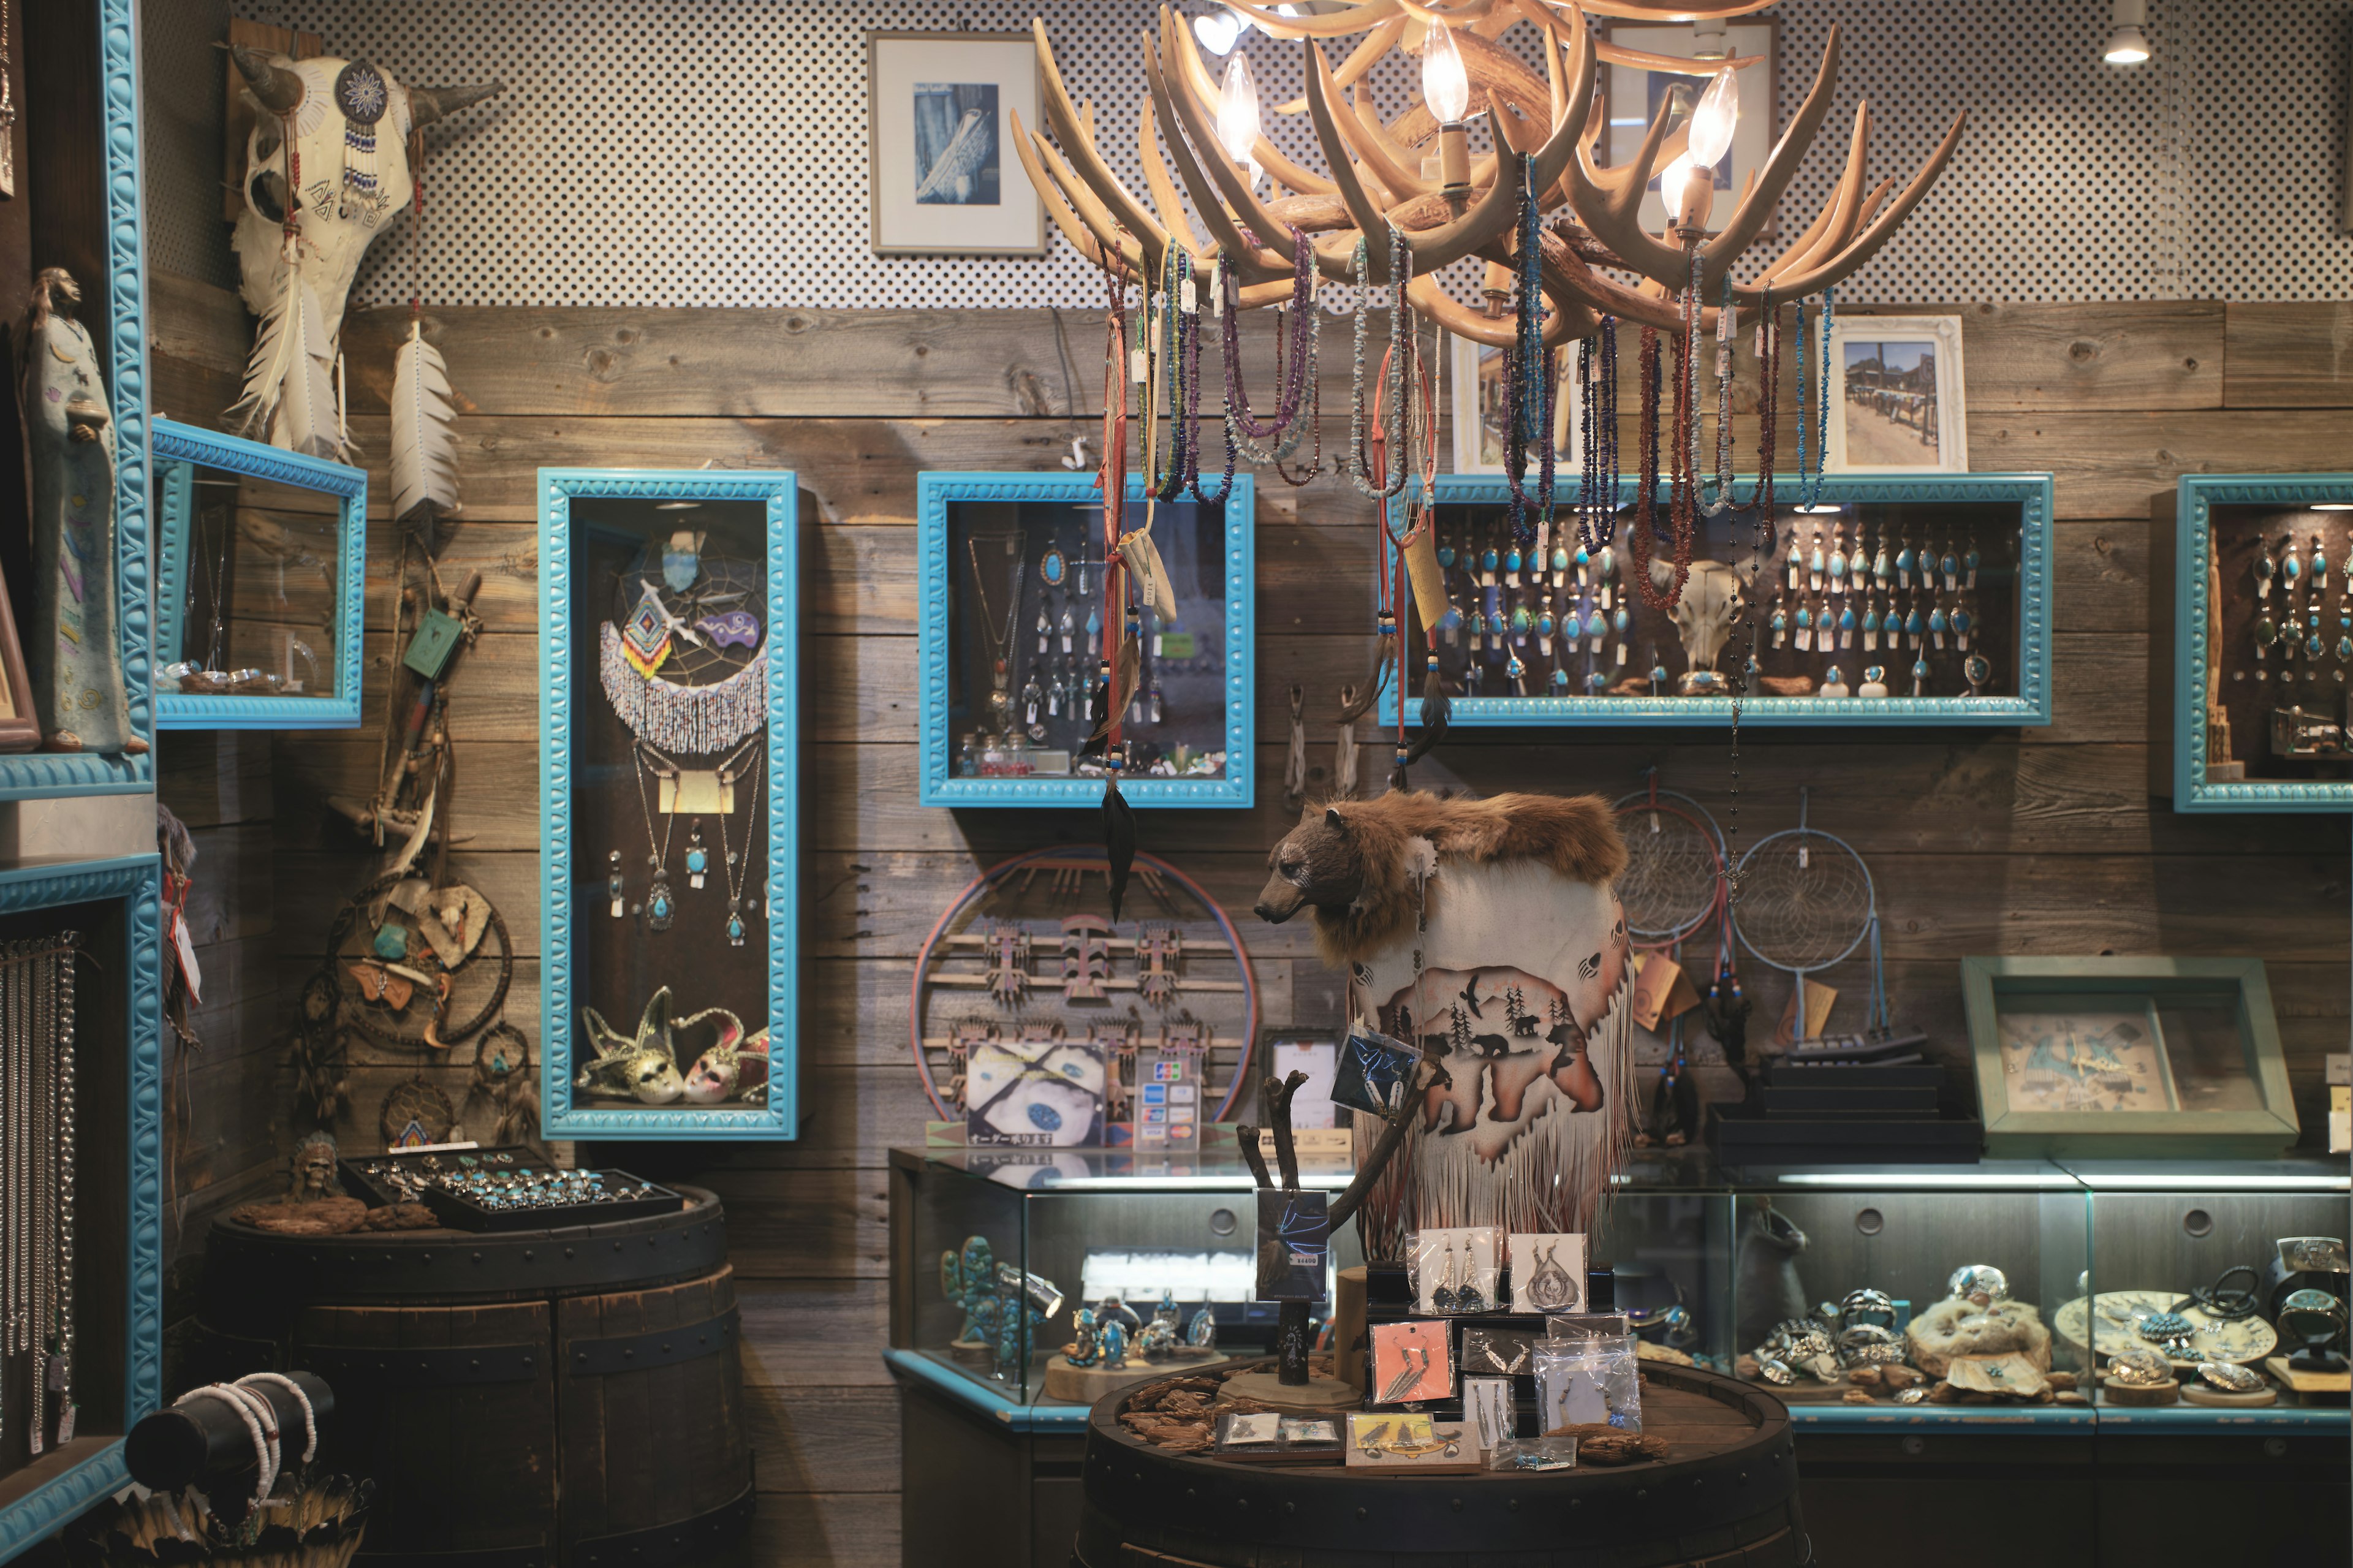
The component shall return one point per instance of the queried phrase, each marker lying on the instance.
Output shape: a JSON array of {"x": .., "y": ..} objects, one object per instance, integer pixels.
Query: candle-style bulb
[
  {"x": 1711, "y": 122},
  {"x": 1445, "y": 84},
  {"x": 1237, "y": 123}
]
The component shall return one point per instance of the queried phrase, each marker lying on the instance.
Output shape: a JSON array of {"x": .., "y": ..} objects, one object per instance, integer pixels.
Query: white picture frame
[
  {"x": 1891, "y": 410},
  {"x": 1630, "y": 98},
  {"x": 943, "y": 177},
  {"x": 1475, "y": 409}
]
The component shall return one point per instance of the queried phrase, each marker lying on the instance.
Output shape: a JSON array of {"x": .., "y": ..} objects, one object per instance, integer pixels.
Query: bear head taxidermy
[{"x": 1487, "y": 933}]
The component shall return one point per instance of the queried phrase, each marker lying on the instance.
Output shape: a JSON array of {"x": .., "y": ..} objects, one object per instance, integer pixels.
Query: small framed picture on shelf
[
  {"x": 1632, "y": 98},
  {"x": 2129, "y": 1057},
  {"x": 1481, "y": 410},
  {"x": 943, "y": 178},
  {"x": 1895, "y": 396}
]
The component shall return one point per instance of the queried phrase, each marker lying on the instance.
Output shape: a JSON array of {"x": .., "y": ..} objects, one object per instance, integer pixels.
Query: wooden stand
[
  {"x": 1317, "y": 1395},
  {"x": 2337, "y": 1383},
  {"x": 2223, "y": 1399},
  {"x": 1085, "y": 1384},
  {"x": 2135, "y": 1394}
]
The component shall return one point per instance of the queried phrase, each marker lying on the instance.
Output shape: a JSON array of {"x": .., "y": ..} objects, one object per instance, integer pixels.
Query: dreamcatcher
[
  {"x": 1806, "y": 903},
  {"x": 1673, "y": 894}
]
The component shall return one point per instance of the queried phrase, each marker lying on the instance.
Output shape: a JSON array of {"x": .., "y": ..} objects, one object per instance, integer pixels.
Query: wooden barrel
[
  {"x": 1728, "y": 1493},
  {"x": 568, "y": 1397}
]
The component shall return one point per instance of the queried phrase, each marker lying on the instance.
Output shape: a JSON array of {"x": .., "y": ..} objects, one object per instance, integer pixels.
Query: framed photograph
[
  {"x": 1896, "y": 396},
  {"x": 942, "y": 172},
  {"x": 2127, "y": 1057},
  {"x": 1478, "y": 407},
  {"x": 1631, "y": 98}
]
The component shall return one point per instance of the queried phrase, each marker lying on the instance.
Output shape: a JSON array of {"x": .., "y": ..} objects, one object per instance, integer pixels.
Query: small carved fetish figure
[
  {"x": 76, "y": 655},
  {"x": 1085, "y": 1348},
  {"x": 1009, "y": 963}
]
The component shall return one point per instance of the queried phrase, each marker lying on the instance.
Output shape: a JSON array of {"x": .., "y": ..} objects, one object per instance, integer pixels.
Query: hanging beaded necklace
[
  {"x": 1528, "y": 378},
  {"x": 1597, "y": 376},
  {"x": 1809, "y": 490},
  {"x": 1358, "y": 463},
  {"x": 1768, "y": 369},
  {"x": 1301, "y": 327},
  {"x": 1642, "y": 534}
]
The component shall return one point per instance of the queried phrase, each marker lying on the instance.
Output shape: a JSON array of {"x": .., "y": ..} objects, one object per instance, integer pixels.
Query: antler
[{"x": 1546, "y": 128}]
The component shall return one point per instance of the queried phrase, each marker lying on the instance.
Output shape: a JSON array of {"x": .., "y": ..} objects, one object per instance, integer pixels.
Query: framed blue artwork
[
  {"x": 1891, "y": 600},
  {"x": 107, "y": 360},
  {"x": 87, "y": 934},
  {"x": 1010, "y": 628},
  {"x": 2251, "y": 643},
  {"x": 262, "y": 559},
  {"x": 670, "y": 811}
]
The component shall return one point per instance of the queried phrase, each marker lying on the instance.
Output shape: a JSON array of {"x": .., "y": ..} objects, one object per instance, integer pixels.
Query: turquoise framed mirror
[
  {"x": 259, "y": 590},
  {"x": 670, "y": 804}
]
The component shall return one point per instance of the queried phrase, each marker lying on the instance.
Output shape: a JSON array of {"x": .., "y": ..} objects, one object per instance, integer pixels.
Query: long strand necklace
[
  {"x": 1301, "y": 326},
  {"x": 1727, "y": 324},
  {"x": 736, "y": 872},
  {"x": 1391, "y": 433},
  {"x": 1597, "y": 523},
  {"x": 1000, "y": 644},
  {"x": 1529, "y": 381},
  {"x": 1315, "y": 422},
  {"x": 62, "y": 989},
  {"x": 1189, "y": 315},
  {"x": 1809, "y": 490},
  {"x": 1761, "y": 540},
  {"x": 659, "y": 907},
  {"x": 1165, "y": 393}
]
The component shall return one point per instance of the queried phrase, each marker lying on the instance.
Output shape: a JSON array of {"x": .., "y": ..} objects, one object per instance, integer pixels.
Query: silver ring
[
  {"x": 1974, "y": 1280},
  {"x": 1862, "y": 1303},
  {"x": 2230, "y": 1377},
  {"x": 1774, "y": 1370}
]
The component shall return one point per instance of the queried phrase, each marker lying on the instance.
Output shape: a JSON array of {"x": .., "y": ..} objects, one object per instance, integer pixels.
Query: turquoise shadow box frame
[
  {"x": 2194, "y": 502},
  {"x": 179, "y": 450},
  {"x": 50, "y": 1490},
  {"x": 936, "y": 782},
  {"x": 46, "y": 776},
  {"x": 567, "y": 675},
  {"x": 2030, "y": 704}
]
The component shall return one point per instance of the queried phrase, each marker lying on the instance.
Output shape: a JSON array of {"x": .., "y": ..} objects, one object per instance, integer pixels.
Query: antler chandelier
[{"x": 1544, "y": 128}]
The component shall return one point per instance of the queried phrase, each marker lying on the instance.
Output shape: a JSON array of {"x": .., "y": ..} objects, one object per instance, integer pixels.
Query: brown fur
[{"x": 1359, "y": 885}]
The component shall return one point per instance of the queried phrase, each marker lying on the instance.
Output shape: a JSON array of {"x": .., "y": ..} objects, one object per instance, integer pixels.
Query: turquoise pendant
[
  {"x": 660, "y": 909},
  {"x": 1609, "y": 563},
  {"x": 392, "y": 939},
  {"x": 1512, "y": 558},
  {"x": 1597, "y": 628},
  {"x": 1559, "y": 559},
  {"x": 1488, "y": 559},
  {"x": 1446, "y": 556},
  {"x": 735, "y": 930}
]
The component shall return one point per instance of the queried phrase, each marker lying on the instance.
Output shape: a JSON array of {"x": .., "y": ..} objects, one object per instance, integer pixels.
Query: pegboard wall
[{"x": 657, "y": 152}]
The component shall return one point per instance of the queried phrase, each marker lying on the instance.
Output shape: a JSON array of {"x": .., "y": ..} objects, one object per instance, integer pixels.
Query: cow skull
[
  {"x": 348, "y": 154},
  {"x": 1703, "y": 617}
]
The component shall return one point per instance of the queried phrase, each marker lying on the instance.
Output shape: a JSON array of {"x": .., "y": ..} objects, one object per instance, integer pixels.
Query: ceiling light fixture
[{"x": 2128, "y": 44}]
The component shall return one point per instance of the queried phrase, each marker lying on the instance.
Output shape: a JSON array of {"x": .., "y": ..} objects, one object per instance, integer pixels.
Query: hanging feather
[
  {"x": 424, "y": 450},
  {"x": 1437, "y": 714},
  {"x": 289, "y": 379},
  {"x": 1119, "y": 842}
]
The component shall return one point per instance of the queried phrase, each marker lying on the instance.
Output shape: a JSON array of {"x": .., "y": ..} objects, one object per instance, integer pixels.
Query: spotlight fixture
[{"x": 2128, "y": 44}]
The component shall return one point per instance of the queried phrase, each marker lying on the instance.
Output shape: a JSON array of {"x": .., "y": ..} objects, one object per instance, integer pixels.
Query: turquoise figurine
[{"x": 76, "y": 652}]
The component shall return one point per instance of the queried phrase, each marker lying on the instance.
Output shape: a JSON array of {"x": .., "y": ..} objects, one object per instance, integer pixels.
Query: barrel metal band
[
  {"x": 688, "y": 1541},
  {"x": 661, "y": 1347},
  {"x": 438, "y": 1366}
]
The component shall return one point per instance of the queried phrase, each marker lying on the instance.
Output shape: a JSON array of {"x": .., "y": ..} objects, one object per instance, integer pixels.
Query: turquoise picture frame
[
  {"x": 2136, "y": 984},
  {"x": 2178, "y": 683},
  {"x": 567, "y": 674},
  {"x": 178, "y": 449},
  {"x": 2029, "y": 705},
  {"x": 936, "y": 782},
  {"x": 46, "y": 776},
  {"x": 135, "y": 883}
]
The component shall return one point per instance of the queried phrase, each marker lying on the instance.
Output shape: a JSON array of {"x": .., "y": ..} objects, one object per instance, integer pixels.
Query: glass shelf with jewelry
[
  {"x": 1046, "y": 671},
  {"x": 2251, "y": 613},
  {"x": 1029, "y": 1282},
  {"x": 1875, "y": 600},
  {"x": 258, "y": 585},
  {"x": 670, "y": 811}
]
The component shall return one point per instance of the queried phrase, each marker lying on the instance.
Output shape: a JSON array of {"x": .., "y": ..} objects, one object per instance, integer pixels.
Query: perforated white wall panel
[{"x": 700, "y": 152}]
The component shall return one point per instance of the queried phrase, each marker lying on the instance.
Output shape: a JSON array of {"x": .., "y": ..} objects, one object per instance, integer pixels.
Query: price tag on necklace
[
  {"x": 1188, "y": 298},
  {"x": 1136, "y": 371}
]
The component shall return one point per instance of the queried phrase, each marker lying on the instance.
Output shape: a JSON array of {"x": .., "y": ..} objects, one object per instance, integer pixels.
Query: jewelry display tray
[{"x": 460, "y": 1213}]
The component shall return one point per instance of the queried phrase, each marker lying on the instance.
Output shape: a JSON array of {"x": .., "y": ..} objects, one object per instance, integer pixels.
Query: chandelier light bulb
[
  {"x": 1445, "y": 84},
  {"x": 2128, "y": 44},
  {"x": 1238, "y": 123},
  {"x": 1220, "y": 30},
  {"x": 1713, "y": 120}
]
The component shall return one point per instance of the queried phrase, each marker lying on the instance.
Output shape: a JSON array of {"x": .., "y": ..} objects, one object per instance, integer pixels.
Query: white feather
[
  {"x": 424, "y": 445},
  {"x": 290, "y": 388}
]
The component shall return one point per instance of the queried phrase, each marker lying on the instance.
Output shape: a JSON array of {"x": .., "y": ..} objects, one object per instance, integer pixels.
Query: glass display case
[
  {"x": 2251, "y": 624},
  {"x": 670, "y": 803},
  {"x": 262, "y": 563},
  {"x": 1886, "y": 601},
  {"x": 1926, "y": 1298},
  {"x": 996, "y": 1252},
  {"x": 1013, "y": 629}
]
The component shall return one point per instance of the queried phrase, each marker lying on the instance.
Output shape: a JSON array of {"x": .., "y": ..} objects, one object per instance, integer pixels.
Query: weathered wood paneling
[{"x": 2041, "y": 841}]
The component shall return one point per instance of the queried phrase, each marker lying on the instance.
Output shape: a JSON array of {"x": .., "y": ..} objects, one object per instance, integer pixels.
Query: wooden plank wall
[{"x": 2035, "y": 842}]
